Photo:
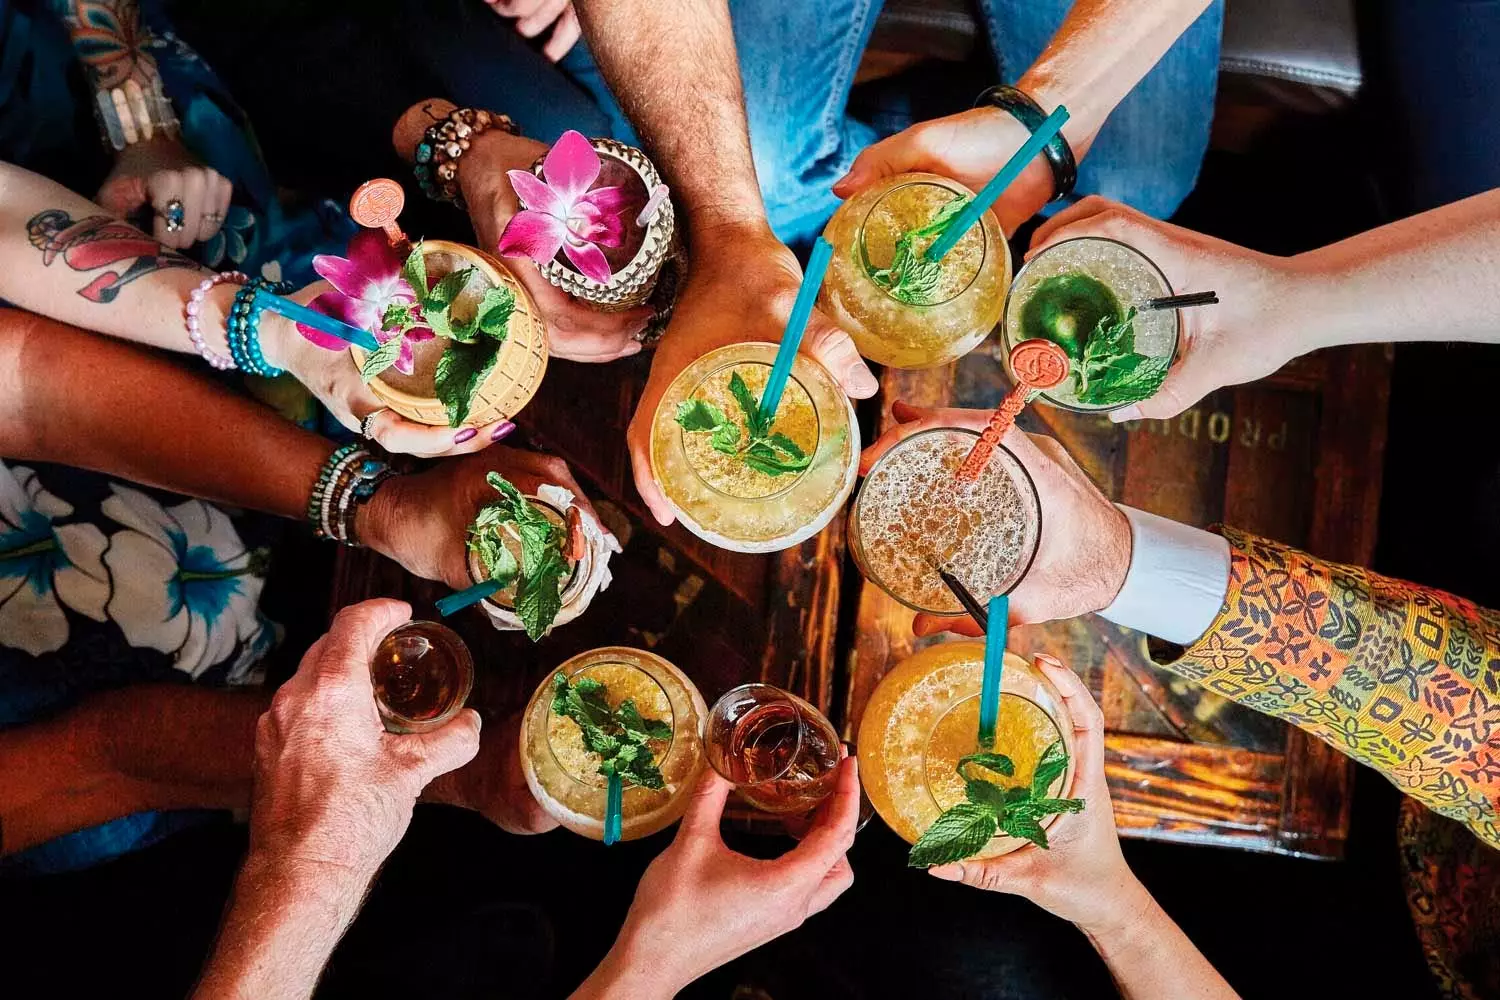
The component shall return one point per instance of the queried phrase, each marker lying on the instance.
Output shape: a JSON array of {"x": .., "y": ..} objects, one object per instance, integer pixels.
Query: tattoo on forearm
[
  {"x": 108, "y": 39},
  {"x": 100, "y": 241}
]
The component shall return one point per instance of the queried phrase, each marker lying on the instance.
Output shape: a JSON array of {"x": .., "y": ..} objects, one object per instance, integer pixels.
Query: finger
[
  {"x": 912, "y": 419},
  {"x": 924, "y": 625},
  {"x": 565, "y": 35},
  {"x": 991, "y": 875},
  {"x": 123, "y": 195},
  {"x": 1088, "y": 717},
  {"x": 355, "y": 633},
  {"x": 1080, "y": 211},
  {"x": 837, "y": 882},
  {"x": 833, "y": 834},
  {"x": 892, "y": 155},
  {"x": 835, "y": 350},
  {"x": 216, "y": 205},
  {"x": 534, "y": 23},
  {"x": 396, "y": 434},
  {"x": 706, "y": 808},
  {"x": 194, "y": 192},
  {"x": 640, "y": 465},
  {"x": 164, "y": 186},
  {"x": 441, "y": 750}
]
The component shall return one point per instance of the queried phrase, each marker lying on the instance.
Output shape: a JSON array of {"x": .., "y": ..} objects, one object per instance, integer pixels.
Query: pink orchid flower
[
  {"x": 561, "y": 213},
  {"x": 365, "y": 284}
]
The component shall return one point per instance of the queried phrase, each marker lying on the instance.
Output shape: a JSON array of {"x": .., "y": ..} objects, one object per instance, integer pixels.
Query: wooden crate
[{"x": 1296, "y": 457}]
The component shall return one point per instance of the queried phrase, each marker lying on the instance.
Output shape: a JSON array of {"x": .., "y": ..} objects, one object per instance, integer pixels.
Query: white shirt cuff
[{"x": 1177, "y": 579}]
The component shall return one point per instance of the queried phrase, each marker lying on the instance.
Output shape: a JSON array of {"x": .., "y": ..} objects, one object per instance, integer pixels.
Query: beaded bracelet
[
  {"x": 347, "y": 481},
  {"x": 444, "y": 142},
  {"x": 1024, "y": 109},
  {"x": 243, "y": 328},
  {"x": 195, "y": 329}
]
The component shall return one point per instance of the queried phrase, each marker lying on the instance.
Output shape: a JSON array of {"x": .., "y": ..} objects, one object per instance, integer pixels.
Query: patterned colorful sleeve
[{"x": 1400, "y": 677}]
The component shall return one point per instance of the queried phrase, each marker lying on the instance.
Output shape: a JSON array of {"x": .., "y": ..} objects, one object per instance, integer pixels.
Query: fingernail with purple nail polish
[
  {"x": 502, "y": 431},
  {"x": 467, "y": 434}
]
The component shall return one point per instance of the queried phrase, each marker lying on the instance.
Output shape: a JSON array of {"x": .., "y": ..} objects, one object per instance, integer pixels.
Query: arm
[
  {"x": 1430, "y": 277},
  {"x": 1100, "y": 52},
  {"x": 1083, "y": 877},
  {"x": 333, "y": 796}
]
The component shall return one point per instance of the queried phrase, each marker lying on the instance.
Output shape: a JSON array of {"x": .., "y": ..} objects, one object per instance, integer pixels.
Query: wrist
[
  {"x": 720, "y": 242},
  {"x": 1127, "y": 913},
  {"x": 334, "y": 889},
  {"x": 632, "y": 971},
  {"x": 1114, "y": 552},
  {"x": 482, "y": 169}
]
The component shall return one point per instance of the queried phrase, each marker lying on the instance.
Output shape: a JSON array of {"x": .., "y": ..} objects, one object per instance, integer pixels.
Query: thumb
[
  {"x": 891, "y": 155},
  {"x": 992, "y": 875},
  {"x": 1186, "y": 383},
  {"x": 835, "y": 350},
  {"x": 442, "y": 750},
  {"x": 120, "y": 196},
  {"x": 706, "y": 807}
]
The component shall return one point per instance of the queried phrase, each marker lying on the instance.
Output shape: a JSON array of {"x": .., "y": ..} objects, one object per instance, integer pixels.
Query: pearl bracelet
[{"x": 194, "y": 328}]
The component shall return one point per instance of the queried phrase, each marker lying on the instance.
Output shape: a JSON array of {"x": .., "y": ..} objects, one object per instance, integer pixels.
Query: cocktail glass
[
  {"x": 724, "y": 501},
  {"x": 501, "y": 605},
  {"x": 781, "y": 753},
  {"x": 924, "y": 716},
  {"x": 1063, "y": 292},
  {"x": 422, "y": 673},
  {"x": 564, "y": 776},
  {"x": 913, "y": 517},
  {"x": 942, "y": 322}
]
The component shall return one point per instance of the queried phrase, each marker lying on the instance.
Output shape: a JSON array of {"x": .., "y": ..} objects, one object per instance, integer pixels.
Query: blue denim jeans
[{"x": 798, "y": 62}]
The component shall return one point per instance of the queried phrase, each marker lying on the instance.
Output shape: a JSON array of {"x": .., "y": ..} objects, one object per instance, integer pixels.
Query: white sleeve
[{"x": 1177, "y": 579}]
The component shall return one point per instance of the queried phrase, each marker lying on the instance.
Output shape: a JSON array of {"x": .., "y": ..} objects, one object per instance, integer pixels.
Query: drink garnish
[
  {"x": 912, "y": 278},
  {"x": 757, "y": 444},
  {"x": 964, "y": 829},
  {"x": 538, "y": 574},
  {"x": 1111, "y": 373},
  {"x": 620, "y": 736}
]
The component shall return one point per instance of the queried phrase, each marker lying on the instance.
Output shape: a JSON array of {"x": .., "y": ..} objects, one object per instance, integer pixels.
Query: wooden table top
[{"x": 1296, "y": 457}]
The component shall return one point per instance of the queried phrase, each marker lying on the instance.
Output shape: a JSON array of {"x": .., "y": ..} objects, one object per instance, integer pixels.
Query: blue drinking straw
[
  {"x": 994, "y": 669},
  {"x": 991, "y": 192},
  {"x": 614, "y": 806},
  {"x": 460, "y": 599},
  {"x": 299, "y": 313},
  {"x": 796, "y": 324}
]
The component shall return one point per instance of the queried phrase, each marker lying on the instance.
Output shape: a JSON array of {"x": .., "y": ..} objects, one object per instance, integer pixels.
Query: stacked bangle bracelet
[
  {"x": 243, "y": 328},
  {"x": 1020, "y": 106},
  {"x": 194, "y": 306},
  {"x": 348, "y": 479},
  {"x": 445, "y": 141}
]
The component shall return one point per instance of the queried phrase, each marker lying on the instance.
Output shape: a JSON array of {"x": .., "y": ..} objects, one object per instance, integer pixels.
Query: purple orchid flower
[
  {"x": 561, "y": 213},
  {"x": 365, "y": 284}
]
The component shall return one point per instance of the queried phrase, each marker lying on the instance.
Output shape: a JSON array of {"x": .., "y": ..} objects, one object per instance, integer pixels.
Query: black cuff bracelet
[{"x": 1028, "y": 112}]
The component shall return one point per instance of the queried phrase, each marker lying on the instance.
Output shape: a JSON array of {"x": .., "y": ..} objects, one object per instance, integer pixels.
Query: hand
[
  {"x": 1084, "y": 551},
  {"x": 741, "y": 288},
  {"x": 333, "y": 789},
  {"x": 970, "y": 147},
  {"x": 533, "y": 17},
  {"x": 157, "y": 171},
  {"x": 493, "y": 784},
  {"x": 1250, "y": 334},
  {"x": 333, "y": 377},
  {"x": 1083, "y": 876},
  {"x": 422, "y": 520},
  {"x": 575, "y": 330},
  {"x": 700, "y": 904}
]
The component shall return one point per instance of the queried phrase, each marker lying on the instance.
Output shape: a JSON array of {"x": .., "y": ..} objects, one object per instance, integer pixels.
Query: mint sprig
[
  {"x": 1111, "y": 373},
  {"x": 538, "y": 575},
  {"x": 473, "y": 342},
  {"x": 621, "y": 737},
  {"x": 912, "y": 278},
  {"x": 963, "y": 830},
  {"x": 756, "y": 445}
]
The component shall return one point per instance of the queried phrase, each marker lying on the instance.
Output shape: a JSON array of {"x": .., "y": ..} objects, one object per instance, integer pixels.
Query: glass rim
[
  {"x": 864, "y": 256},
  {"x": 792, "y": 379},
  {"x": 782, "y": 695},
  {"x": 575, "y": 578},
  {"x": 609, "y": 661},
  {"x": 465, "y": 659},
  {"x": 1007, "y": 342},
  {"x": 856, "y": 545}
]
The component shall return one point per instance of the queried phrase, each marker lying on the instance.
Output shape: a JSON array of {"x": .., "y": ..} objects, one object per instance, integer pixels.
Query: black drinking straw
[
  {"x": 970, "y": 603},
  {"x": 1181, "y": 301}
]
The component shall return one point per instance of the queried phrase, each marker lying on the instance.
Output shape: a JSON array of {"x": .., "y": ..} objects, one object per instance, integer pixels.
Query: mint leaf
[
  {"x": 494, "y": 312},
  {"x": 911, "y": 278},
  {"x": 1141, "y": 381},
  {"x": 460, "y": 372},
  {"x": 617, "y": 736},
  {"x": 959, "y": 833},
  {"x": 446, "y": 290},
  {"x": 785, "y": 444},
  {"x": 749, "y": 405},
  {"x": 996, "y": 762},
  {"x": 538, "y": 594},
  {"x": 983, "y": 793},
  {"x": 498, "y": 562},
  {"x": 414, "y": 270},
  {"x": 700, "y": 415},
  {"x": 762, "y": 457},
  {"x": 944, "y": 215},
  {"x": 382, "y": 358},
  {"x": 1053, "y": 762},
  {"x": 400, "y": 317},
  {"x": 1018, "y": 824},
  {"x": 1050, "y": 807},
  {"x": 726, "y": 438}
]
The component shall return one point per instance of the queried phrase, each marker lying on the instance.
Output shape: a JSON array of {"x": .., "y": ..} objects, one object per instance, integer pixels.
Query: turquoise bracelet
[{"x": 243, "y": 329}]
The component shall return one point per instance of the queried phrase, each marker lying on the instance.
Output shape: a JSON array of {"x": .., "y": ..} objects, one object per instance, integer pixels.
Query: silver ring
[
  {"x": 212, "y": 217},
  {"x": 173, "y": 215},
  {"x": 364, "y": 425}
]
